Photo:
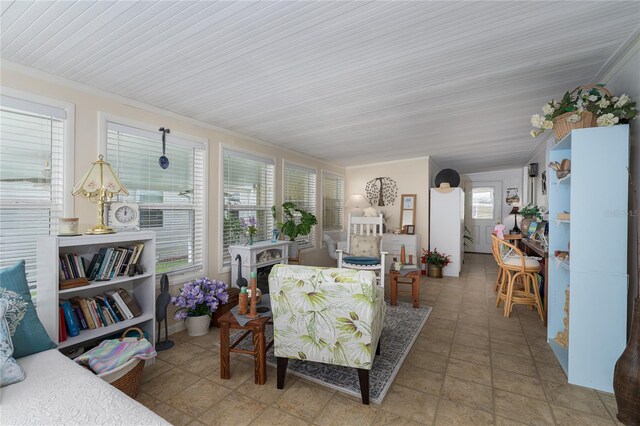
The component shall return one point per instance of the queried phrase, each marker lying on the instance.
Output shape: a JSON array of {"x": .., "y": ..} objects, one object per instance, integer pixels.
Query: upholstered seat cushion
[
  {"x": 529, "y": 262},
  {"x": 361, "y": 260}
]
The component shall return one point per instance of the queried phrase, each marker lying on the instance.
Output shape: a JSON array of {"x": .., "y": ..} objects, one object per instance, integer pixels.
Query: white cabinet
[
  {"x": 250, "y": 258},
  {"x": 446, "y": 229},
  {"x": 392, "y": 244},
  {"x": 141, "y": 287}
]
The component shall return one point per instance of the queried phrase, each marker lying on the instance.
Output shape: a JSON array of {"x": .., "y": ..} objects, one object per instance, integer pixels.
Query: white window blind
[
  {"x": 31, "y": 179},
  {"x": 300, "y": 188},
  {"x": 248, "y": 191},
  {"x": 332, "y": 201},
  {"x": 171, "y": 200}
]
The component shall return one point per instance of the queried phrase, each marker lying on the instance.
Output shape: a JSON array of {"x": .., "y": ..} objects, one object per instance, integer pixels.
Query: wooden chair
[
  {"x": 495, "y": 250},
  {"x": 364, "y": 226},
  {"x": 518, "y": 267}
]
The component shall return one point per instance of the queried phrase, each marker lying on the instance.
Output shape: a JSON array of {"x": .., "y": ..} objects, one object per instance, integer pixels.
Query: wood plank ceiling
[{"x": 347, "y": 82}]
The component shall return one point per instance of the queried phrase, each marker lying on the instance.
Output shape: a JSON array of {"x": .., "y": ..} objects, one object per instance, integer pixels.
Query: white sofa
[{"x": 57, "y": 391}]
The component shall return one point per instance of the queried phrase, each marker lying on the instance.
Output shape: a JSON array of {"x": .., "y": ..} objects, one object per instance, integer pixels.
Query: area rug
[{"x": 402, "y": 325}]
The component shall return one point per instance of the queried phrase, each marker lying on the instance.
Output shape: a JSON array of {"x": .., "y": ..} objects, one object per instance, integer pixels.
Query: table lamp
[
  {"x": 357, "y": 203},
  {"x": 515, "y": 211},
  {"x": 99, "y": 184}
]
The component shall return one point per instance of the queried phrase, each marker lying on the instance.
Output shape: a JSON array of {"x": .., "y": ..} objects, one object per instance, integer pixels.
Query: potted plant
[
  {"x": 530, "y": 213},
  {"x": 250, "y": 228},
  {"x": 295, "y": 222},
  {"x": 585, "y": 106},
  {"x": 436, "y": 262},
  {"x": 197, "y": 301}
]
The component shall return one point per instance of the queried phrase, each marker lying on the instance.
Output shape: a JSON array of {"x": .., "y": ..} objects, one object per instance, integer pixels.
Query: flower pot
[
  {"x": 626, "y": 376},
  {"x": 198, "y": 326},
  {"x": 435, "y": 271},
  {"x": 561, "y": 127},
  {"x": 524, "y": 224}
]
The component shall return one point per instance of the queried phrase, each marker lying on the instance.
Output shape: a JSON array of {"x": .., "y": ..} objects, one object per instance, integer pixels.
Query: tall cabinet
[
  {"x": 140, "y": 287},
  {"x": 595, "y": 275},
  {"x": 446, "y": 227}
]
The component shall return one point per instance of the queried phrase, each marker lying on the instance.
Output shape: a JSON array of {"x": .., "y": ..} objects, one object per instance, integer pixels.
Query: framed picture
[
  {"x": 408, "y": 210},
  {"x": 409, "y": 229},
  {"x": 543, "y": 178},
  {"x": 408, "y": 201}
]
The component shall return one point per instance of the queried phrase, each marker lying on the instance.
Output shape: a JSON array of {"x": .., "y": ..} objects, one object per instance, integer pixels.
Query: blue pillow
[
  {"x": 28, "y": 334},
  {"x": 10, "y": 370},
  {"x": 361, "y": 260}
]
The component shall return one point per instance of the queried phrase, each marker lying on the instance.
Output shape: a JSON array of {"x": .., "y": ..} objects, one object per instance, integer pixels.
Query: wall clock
[{"x": 124, "y": 216}]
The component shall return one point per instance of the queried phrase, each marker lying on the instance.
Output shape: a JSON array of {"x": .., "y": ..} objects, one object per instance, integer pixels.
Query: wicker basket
[
  {"x": 561, "y": 127},
  {"x": 127, "y": 377}
]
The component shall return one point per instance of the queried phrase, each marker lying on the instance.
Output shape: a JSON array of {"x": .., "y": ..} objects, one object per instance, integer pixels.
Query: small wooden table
[
  {"x": 260, "y": 346},
  {"x": 414, "y": 276}
]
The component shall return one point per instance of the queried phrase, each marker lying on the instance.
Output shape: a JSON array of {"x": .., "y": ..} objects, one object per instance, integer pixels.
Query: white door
[{"x": 483, "y": 210}]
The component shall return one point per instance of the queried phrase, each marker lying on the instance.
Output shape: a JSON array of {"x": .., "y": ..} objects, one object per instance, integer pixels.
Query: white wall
[
  {"x": 411, "y": 176},
  {"x": 540, "y": 156}
]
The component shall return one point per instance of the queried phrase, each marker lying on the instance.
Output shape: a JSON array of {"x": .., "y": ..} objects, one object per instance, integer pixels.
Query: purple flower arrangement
[
  {"x": 250, "y": 225},
  {"x": 200, "y": 297}
]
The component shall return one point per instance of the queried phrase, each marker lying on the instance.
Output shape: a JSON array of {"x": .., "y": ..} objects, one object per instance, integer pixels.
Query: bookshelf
[
  {"x": 141, "y": 287},
  {"x": 595, "y": 194}
]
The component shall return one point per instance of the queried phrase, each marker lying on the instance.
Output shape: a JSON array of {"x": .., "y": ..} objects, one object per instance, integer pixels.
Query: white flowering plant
[{"x": 608, "y": 109}]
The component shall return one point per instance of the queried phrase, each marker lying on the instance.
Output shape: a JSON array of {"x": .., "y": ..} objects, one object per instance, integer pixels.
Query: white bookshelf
[{"x": 141, "y": 287}]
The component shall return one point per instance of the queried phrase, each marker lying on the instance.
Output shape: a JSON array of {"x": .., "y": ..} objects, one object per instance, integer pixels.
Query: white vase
[{"x": 198, "y": 326}]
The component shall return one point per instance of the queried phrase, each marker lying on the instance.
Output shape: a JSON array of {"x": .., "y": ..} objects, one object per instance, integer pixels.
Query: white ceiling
[{"x": 347, "y": 82}]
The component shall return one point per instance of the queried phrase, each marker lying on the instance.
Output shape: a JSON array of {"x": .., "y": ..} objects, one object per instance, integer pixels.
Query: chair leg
[
  {"x": 508, "y": 303},
  {"x": 281, "y": 371},
  {"x": 498, "y": 279},
  {"x": 363, "y": 376},
  {"x": 505, "y": 277},
  {"x": 536, "y": 294}
]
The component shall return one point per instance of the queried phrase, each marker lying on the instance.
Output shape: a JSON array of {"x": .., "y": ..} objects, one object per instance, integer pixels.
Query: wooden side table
[
  {"x": 414, "y": 276},
  {"x": 260, "y": 346}
]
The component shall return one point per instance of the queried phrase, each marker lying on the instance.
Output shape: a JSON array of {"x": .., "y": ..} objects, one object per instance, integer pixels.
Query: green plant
[
  {"x": 434, "y": 258},
  {"x": 531, "y": 210},
  {"x": 467, "y": 237},
  {"x": 609, "y": 110},
  {"x": 295, "y": 221}
]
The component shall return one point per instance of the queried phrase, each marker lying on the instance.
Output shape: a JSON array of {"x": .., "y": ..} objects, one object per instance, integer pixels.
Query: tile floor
[{"x": 470, "y": 365}]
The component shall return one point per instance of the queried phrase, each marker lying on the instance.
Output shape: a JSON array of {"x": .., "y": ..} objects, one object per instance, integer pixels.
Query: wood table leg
[
  {"x": 225, "y": 367},
  {"x": 394, "y": 288},
  {"x": 415, "y": 290},
  {"x": 260, "y": 357}
]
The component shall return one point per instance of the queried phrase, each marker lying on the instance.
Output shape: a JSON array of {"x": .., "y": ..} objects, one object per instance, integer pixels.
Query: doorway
[{"x": 483, "y": 210}]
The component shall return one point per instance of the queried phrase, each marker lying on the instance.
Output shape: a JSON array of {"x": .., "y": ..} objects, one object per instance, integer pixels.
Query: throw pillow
[
  {"x": 10, "y": 370},
  {"x": 365, "y": 245},
  {"x": 27, "y": 333}
]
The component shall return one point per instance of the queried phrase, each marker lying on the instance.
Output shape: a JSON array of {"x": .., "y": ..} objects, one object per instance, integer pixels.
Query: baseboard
[{"x": 176, "y": 328}]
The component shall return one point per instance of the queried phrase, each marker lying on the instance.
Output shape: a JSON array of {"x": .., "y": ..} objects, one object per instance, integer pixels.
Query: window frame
[
  {"x": 314, "y": 243},
  {"x": 222, "y": 268},
  {"x": 180, "y": 277},
  {"x": 329, "y": 173}
]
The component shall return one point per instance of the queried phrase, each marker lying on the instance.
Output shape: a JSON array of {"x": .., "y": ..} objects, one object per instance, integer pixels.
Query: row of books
[
  {"x": 85, "y": 313},
  {"x": 108, "y": 263}
]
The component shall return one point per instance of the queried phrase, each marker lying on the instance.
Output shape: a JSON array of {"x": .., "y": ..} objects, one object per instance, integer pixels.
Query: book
[
  {"x": 92, "y": 265},
  {"x": 72, "y": 266},
  {"x": 106, "y": 315},
  {"x": 106, "y": 254},
  {"x": 63, "y": 269},
  {"x": 62, "y": 327},
  {"x": 115, "y": 296},
  {"x": 131, "y": 303},
  {"x": 80, "y": 316},
  {"x": 118, "y": 312},
  {"x": 125, "y": 264},
  {"x": 103, "y": 320},
  {"x": 106, "y": 303},
  {"x": 85, "y": 311},
  {"x": 130, "y": 264},
  {"x": 79, "y": 266},
  {"x": 139, "y": 248},
  {"x": 72, "y": 325},
  {"x": 94, "y": 313}
]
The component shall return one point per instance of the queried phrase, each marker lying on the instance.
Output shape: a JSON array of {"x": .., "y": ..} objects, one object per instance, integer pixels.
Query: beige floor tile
[
  {"x": 385, "y": 418},
  {"x": 473, "y": 328},
  {"x": 268, "y": 392},
  {"x": 469, "y": 371},
  {"x": 147, "y": 400},
  {"x": 514, "y": 364},
  {"x": 544, "y": 355},
  {"x": 450, "y": 413},
  {"x": 303, "y": 399},
  {"x": 170, "y": 383},
  {"x": 467, "y": 353},
  {"x": 204, "y": 364},
  {"x": 432, "y": 344},
  {"x": 518, "y": 383},
  {"x": 433, "y": 361},
  {"x": 343, "y": 411},
  {"x": 467, "y": 393},
  {"x": 575, "y": 397},
  {"x": 272, "y": 416},
  {"x": 511, "y": 348},
  {"x": 172, "y": 415},
  {"x": 157, "y": 368},
  {"x": 502, "y": 421},
  {"x": 420, "y": 379},
  {"x": 411, "y": 404},
  {"x": 199, "y": 397},
  {"x": 551, "y": 372},
  {"x": 509, "y": 336},
  {"x": 473, "y": 340},
  {"x": 232, "y": 410},
  {"x": 568, "y": 417},
  {"x": 241, "y": 371},
  {"x": 210, "y": 341},
  {"x": 522, "y": 409},
  {"x": 180, "y": 353},
  {"x": 196, "y": 423},
  {"x": 609, "y": 401}
]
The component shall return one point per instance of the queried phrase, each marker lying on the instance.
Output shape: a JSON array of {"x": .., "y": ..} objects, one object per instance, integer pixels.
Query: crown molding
[
  {"x": 620, "y": 57},
  {"x": 382, "y": 163}
]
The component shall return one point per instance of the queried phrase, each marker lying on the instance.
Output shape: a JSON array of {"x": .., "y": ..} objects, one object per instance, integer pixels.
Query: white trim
[
  {"x": 68, "y": 142},
  {"x": 34, "y": 73},
  {"x": 329, "y": 173},
  {"x": 382, "y": 163},
  {"x": 620, "y": 57},
  {"x": 248, "y": 155}
]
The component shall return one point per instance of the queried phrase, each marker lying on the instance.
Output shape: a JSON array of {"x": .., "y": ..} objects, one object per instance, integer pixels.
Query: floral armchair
[{"x": 328, "y": 315}]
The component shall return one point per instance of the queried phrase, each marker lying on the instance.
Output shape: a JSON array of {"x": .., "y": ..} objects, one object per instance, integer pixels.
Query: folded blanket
[{"x": 111, "y": 354}]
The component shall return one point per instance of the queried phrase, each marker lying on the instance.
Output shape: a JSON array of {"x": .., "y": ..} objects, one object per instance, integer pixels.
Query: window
[
  {"x": 482, "y": 202},
  {"x": 32, "y": 138},
  {"x": 300, "y": 188},
  {"x": 332, "y": 201},
  {"x": 248, "y": 191},
  {"x": 171, "y": 200}
]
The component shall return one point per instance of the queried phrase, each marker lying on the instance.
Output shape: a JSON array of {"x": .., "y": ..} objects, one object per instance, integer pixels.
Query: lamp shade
[
  {"x": 357, "y": 203},
  {"x": 100, "y": 176},
  {"x": 515, "y": 210}
]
